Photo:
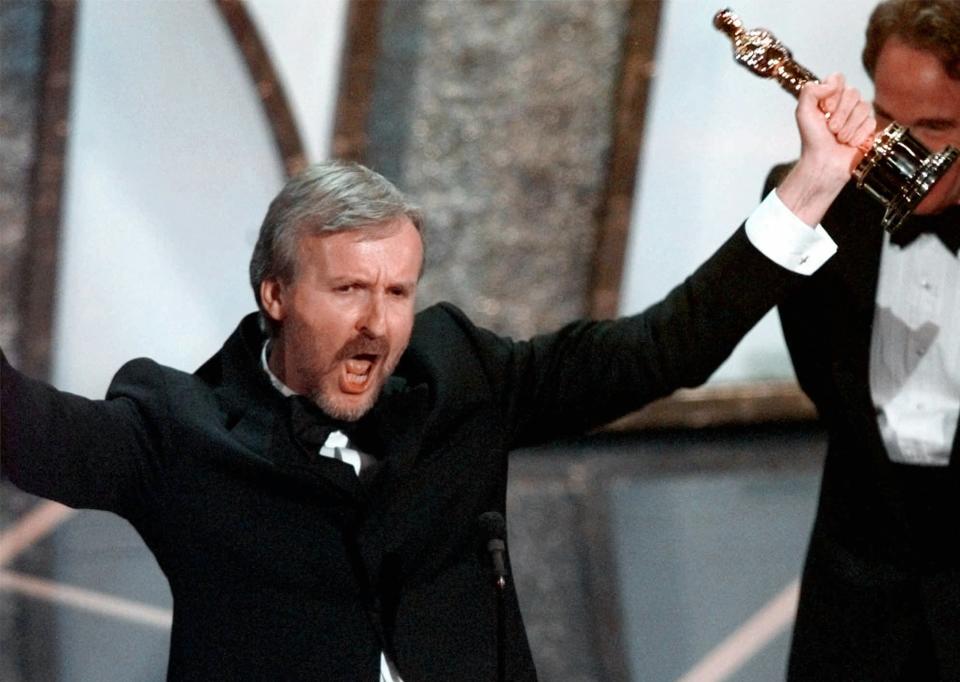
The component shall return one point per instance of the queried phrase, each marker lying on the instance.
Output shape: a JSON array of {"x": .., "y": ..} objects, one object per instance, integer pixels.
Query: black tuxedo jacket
[
  {"x": 880, "y": 567},
  {"x": 283, "y": 564}
]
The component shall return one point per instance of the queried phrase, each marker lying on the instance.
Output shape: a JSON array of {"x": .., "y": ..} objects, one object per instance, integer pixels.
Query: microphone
[{"x": 494, "y": 530}]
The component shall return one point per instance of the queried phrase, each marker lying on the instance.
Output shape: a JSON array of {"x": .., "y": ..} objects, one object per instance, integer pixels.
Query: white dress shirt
[{"x": 915, "y": 351}]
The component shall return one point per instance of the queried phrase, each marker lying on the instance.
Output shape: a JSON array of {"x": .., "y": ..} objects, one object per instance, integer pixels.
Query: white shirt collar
[{"x": 277, "y": 384}]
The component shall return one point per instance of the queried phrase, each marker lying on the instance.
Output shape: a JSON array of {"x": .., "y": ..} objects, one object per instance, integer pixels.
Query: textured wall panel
[
  {"x": 20, "y": 66},
  {"x": 20, "y": 63},
  {"x": 496, "y": 116}
]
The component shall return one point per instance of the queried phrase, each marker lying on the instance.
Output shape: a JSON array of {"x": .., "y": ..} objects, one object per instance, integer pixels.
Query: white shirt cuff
[{"x": 786, "y": 240}]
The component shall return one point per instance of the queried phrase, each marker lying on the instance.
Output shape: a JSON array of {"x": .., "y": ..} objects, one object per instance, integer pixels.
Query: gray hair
[{"x": 332, "y": 196}]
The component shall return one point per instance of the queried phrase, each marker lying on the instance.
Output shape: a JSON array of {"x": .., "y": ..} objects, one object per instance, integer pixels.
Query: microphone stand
[
  {"x": 494, "y": 529},
  {"x": 501, "y": 630}
]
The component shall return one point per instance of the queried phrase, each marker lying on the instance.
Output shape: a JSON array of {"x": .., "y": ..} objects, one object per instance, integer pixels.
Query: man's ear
[{"x": 273, "y": 298}]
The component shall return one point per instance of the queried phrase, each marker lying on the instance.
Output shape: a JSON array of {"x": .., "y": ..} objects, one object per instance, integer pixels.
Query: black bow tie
[
  {"x": 311, "y": 425},
  {"x": 944, "y": 225}
]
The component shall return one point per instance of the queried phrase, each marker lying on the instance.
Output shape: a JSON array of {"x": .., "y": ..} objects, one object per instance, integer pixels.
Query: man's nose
[{"x": 374, "y": 319}]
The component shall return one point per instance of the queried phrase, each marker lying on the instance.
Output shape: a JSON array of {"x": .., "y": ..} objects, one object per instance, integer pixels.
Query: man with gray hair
[{"x": 312, "y": 492}]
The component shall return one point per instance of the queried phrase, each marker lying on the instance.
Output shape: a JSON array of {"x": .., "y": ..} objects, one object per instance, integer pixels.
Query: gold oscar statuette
[{"x": 897, "y": 169}]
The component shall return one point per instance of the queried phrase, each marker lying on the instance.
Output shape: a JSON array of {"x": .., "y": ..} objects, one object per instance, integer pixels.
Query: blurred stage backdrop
[{"x": 574, "y": 157}]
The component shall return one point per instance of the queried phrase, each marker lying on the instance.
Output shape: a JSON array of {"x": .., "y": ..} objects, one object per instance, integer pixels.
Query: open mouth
[{"x": 357, "y": 372}]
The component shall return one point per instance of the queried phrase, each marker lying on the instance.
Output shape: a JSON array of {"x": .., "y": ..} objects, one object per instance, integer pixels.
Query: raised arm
[
  {"x": 592, "y": 372},
  {"x": 835, "y": 124}
]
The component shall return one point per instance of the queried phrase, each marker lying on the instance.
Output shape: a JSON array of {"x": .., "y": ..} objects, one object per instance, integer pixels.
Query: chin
[
  {"x": 932, "y": 209},
  {"x": 944, "y": 195},
  {"x": 934, "y": 203},
  {"x": 345, "y": 410}
]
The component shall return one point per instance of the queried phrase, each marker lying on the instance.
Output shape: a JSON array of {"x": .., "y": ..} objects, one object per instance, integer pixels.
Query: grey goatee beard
[
  {"x": 330, "y": 405},
  {"x": 347, "y": 414}
]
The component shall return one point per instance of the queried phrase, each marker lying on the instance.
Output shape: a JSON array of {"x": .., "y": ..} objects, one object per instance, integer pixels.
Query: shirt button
[
  {"x": 804, "y": 259},
  {"x": 925, "y": 284}
]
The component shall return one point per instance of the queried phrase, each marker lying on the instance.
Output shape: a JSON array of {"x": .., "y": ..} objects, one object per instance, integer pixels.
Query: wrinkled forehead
[{"x": 392, "y": 247}]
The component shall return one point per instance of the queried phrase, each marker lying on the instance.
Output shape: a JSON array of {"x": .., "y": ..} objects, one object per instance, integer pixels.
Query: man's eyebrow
[
  {"x": 937, "y": 123},
  {"x": 881, "y": 112}
]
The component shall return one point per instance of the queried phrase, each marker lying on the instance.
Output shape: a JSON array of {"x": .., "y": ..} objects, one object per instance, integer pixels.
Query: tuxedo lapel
[
  {"x": 398, "y": 423},
  {"x": 257, "y": 417},
  {"x": 854, "y": 272}
]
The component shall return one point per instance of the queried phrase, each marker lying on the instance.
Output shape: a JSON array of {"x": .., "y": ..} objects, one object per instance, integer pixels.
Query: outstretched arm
[{"x": 81, "y": 452}]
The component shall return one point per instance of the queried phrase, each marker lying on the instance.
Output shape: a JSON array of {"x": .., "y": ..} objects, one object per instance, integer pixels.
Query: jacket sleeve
[
  {"x": 801, "y": 312},
  {"x": 81, "y": 452},
  {"x": 591, "y": 372},
  {"x": 824, "y": 318},
  {"x": 806, "y": 334}
]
